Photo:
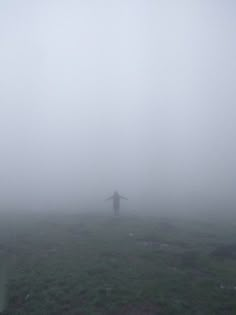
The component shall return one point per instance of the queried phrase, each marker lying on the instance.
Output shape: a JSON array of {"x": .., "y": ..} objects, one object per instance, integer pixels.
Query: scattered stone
[{"x": 149, "y": 243}]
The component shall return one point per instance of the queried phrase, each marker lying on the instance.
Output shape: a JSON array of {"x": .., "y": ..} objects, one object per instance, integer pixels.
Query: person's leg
[{"x": 116, "y": 211}]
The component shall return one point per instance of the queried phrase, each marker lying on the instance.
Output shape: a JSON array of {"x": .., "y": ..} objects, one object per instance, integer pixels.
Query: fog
[{"x": 137, "y": 96}]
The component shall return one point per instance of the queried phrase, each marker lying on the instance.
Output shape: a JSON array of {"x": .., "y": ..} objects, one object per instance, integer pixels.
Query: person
[{"x": 116, "y": 197}]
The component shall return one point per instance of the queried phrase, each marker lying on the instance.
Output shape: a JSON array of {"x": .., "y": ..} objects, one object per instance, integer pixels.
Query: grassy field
[{"x": 85, "y": 264}]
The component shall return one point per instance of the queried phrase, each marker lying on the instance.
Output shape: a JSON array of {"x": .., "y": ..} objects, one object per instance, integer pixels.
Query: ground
[{"x": 87, "y": 264}]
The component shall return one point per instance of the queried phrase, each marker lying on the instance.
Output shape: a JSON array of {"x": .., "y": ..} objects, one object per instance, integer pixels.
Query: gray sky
[{"x": 137, "y": 96}]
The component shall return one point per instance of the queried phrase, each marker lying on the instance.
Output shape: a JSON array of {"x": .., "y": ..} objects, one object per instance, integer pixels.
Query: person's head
[{"x": 116, "y": 193}]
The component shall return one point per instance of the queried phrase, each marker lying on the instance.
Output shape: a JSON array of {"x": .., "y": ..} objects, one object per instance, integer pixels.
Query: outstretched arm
[
  {"x": 121, "y": 197},
  {"x": 110, "y": 198}
]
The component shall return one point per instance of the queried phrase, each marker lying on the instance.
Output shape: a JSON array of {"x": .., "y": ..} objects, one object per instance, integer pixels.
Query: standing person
[{"x": 116, "y": 197}]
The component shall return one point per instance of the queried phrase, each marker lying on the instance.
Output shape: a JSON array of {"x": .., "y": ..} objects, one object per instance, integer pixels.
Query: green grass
[{"x": 85, "y": 264}]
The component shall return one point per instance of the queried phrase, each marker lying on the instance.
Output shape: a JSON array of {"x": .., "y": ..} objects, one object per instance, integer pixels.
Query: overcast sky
[{"x": 136, "y": 95}]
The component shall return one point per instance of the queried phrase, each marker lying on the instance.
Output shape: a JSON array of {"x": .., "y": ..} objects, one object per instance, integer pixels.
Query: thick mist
[{"x": 137, "y": 96}]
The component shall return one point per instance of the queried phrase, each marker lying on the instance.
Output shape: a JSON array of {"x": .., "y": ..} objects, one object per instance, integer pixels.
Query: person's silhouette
[{"x": 116, "y": 197}]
